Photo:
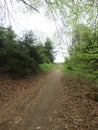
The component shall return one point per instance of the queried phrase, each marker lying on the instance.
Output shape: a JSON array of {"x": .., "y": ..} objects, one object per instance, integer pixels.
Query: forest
[
  {"x": 84, "y": 52},
  {"x": 22, "y": 57},
  {"x": 79, "y": 23},
  {"x": 35, "y": 92}
]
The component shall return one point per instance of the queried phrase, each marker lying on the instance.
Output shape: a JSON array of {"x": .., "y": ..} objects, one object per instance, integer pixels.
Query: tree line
[
  {"x": 83, "y": 53},
  {"x": 79, "y": 19},
  {"x": 23, "y": 56}
]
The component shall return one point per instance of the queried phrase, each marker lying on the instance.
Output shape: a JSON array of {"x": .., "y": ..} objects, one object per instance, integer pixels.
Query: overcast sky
[{"x": 39, "y": 24}]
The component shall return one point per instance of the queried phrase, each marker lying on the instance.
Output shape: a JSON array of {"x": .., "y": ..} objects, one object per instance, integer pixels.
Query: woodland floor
[{"x": 50, "y": 101}]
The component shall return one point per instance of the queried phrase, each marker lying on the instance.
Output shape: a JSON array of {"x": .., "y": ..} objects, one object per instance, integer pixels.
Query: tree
[
  {"x": 41, "y": 53},
  {"x": 84, "y": 53},
  {"x": 19, "y": 58},
  {"x": 48, "y": 50}
]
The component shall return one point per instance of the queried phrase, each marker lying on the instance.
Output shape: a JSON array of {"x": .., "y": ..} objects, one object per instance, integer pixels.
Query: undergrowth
[
  {"x": 78, "y": 72},
  {"x": 46, "y": 67}
]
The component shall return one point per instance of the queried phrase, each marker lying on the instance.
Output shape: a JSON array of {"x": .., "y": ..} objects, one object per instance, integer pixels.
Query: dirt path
[
  {"x": 35, "y": 112},
  {"x": 52, "y": 101},
  {"x": 38, "y": 115}
]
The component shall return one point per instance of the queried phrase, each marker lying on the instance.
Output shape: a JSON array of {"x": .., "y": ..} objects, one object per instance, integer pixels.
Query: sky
[{"x": 42, "y": 27}]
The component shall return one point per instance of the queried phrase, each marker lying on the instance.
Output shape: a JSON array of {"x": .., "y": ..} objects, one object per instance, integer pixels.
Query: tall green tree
[
  {"x": 48, "y": 50},
  {"x": 84, "y": 52}
]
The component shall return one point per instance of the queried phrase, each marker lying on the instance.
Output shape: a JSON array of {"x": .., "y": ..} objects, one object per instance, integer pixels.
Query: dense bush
[
  {"x": 20, "y": 57},
  {"x": 84, "y": 50}
]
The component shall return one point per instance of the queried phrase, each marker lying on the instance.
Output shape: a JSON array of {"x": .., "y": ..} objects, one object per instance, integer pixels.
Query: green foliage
[
  {"x": 77, "y": 72},
  {"x": 41, "y": 53},
  {"x": 84, "y": 51},
  {"x": 47, "y": 66},
  {"x": 48, "y": 50},
  {"x": 45, "y": 52},
  {"x": 21, "y": 57}
]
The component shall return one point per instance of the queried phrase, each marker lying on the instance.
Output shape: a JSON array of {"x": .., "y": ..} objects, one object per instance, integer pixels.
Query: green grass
[
  {"x": 46, "y": 67},
  {"x": 78, "y": 72}
]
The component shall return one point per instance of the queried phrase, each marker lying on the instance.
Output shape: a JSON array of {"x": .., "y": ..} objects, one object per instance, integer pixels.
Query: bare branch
[{"x": 30, "y": 5}]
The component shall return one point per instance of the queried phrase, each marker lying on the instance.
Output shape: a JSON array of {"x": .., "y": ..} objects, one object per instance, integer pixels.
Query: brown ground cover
[{"x": 50, "y": 101}]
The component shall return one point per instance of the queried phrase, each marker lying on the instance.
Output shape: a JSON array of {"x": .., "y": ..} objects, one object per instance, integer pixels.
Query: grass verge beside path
[
  {"x": 83, "y": 77},
  {"x": 47, "y": 66},
  {"x": 78, "y": 72}
]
